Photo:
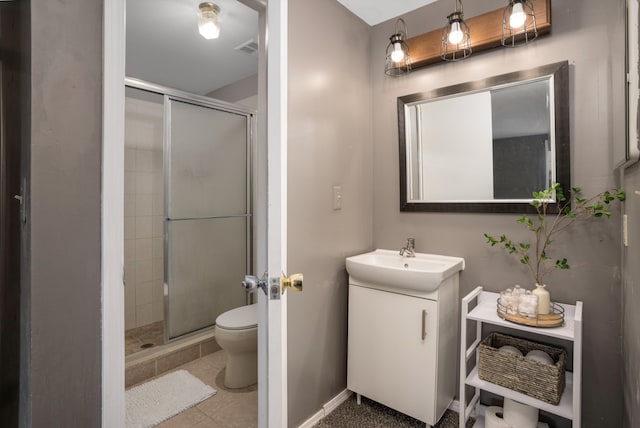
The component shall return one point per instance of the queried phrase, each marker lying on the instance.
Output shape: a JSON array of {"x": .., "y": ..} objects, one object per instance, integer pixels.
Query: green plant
[{"x": 546, "y": 225}]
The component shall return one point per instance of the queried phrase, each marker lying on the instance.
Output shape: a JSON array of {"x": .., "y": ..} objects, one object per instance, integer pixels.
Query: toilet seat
[{"x": 242, "y": 318}]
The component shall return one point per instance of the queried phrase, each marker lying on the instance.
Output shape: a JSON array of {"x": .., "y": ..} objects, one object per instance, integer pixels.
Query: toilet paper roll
[
  {"x": 520, "y": 415},
  {"x": 493, "y": 418}
]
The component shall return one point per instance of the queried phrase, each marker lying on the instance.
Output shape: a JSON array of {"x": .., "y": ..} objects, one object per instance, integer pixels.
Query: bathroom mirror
[{"x": 485, "y": 146}]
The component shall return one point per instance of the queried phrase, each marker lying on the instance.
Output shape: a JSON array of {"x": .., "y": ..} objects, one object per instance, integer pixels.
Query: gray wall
[
  {"x": 589, "y": 34},
  {"x": 329, "y": 144},
  {"x": 631, "y": 302},
  {"x": 62, "y": 383}
]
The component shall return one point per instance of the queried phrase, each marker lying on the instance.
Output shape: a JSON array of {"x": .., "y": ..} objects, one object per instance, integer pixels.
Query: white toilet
[{"x": 236, "y": 332}]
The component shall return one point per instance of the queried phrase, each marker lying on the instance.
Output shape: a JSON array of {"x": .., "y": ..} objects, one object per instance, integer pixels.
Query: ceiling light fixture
[
  {"x": 519, "y": 23},
  {"x": 209, "y": 20},
  {"x": 398, "y": 61},
  {"x": 456, "y": 41}
]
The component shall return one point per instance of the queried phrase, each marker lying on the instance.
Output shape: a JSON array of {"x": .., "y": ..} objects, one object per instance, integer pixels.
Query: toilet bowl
[{"x": 236, "y": 332}]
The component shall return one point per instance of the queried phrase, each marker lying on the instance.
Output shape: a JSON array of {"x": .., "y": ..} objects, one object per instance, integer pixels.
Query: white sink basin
[{"x": 424, "y": 272}]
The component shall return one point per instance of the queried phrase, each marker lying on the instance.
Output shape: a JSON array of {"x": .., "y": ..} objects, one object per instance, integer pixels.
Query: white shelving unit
[{"x": 485, "y": 312}]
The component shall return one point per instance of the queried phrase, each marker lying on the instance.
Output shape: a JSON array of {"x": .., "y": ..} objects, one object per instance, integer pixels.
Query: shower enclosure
[
  {"x": 190, "y": 257},
  {"x": 208, "y": 220}
]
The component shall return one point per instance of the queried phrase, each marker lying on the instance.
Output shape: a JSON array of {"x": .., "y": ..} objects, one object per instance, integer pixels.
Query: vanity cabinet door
[{"x": 392, "y": 350}]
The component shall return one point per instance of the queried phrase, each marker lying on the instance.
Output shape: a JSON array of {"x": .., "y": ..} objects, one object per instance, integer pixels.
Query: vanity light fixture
[
  {"x": 519, "y": 23},
  {"x": 456, "y": 41},
  {"x": 398, "y": 61},
  {"x": 209, "y": 20}
]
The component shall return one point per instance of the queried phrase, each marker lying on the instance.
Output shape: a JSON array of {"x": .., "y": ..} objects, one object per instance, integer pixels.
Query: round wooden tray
[{"x": 554, "y": 319}]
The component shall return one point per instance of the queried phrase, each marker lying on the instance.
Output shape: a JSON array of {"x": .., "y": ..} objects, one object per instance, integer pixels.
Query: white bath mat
[{"x": 158, "y": 400}]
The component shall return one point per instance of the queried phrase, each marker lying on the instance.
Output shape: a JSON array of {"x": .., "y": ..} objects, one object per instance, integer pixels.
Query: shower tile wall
[{"x": 143, "y": 210}]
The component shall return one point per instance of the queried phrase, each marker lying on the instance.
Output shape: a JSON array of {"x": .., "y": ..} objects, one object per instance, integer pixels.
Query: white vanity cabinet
[{"x": 402, "y": 347}]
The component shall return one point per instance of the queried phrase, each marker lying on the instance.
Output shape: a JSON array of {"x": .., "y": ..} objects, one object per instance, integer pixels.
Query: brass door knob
[{"x": 294, "y": 282}]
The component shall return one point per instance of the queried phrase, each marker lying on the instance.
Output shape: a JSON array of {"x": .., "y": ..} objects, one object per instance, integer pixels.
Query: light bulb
[
  {"x": 398, "y": 54},
  {"x": 209, "y": 30},
  {"x": 455, "y": 34},
  {"x": 518, "y": 16}
]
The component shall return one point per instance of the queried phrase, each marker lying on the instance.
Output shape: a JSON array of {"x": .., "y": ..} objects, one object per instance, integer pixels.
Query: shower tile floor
[
  {"x": 226, "y": 409},
  {"x": 139, "y": 338}
]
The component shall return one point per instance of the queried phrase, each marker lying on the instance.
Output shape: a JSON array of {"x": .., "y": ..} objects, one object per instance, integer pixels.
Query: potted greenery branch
[{"x": 546, "y": 225}]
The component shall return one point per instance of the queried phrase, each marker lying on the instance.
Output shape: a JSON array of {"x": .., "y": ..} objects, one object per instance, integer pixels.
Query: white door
[{"x": 272, "y": 373}]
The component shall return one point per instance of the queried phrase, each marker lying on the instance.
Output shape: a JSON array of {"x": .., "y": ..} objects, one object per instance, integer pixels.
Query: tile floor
[
  {"x": 239, "y": 408},
  {"x": 226, "y": 409},
  {"x": 135, "y": 338}
]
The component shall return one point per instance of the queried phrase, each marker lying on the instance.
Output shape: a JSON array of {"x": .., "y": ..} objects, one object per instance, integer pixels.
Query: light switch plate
[{"x": 337, "y": 198}]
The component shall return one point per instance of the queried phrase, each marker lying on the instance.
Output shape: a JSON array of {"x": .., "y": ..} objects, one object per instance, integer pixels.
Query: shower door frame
[
  {"x": 168, "y": 95},
  {"x": 269, "y": 212}
]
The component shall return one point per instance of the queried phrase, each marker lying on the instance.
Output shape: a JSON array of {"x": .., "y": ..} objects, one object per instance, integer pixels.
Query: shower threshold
[{"x": 156, "y": 360}]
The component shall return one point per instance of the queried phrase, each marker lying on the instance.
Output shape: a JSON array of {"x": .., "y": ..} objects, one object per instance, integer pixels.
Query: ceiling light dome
[{"x": 209, "y": 20}]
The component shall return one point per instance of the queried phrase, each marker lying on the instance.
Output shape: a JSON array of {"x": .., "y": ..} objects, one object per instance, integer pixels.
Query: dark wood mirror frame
[{"x": 560, "y": 72}]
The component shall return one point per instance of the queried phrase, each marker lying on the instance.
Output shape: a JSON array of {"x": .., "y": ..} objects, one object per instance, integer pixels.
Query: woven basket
[{"x": 539, "y": 380}]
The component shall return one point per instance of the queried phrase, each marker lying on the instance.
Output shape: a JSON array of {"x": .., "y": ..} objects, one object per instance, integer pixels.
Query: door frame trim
[
  {"x": 277, "y": 89},
  {"x": 112, "y": 221}
]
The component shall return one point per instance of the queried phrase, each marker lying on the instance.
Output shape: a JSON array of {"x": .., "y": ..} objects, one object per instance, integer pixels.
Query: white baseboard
[
  {"x": 331, "y": 405},
  {"x": 327, "y": 408},
  {"x": 313, "y": 419},
  {"x": 455, "y": 406}
]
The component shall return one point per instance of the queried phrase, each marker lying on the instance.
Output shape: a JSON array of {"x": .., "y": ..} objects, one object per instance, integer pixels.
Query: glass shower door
[{"x": 207, "y": 222}]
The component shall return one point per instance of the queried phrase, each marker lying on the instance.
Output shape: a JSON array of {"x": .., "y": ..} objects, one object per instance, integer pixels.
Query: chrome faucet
[{"x": 409, "y": 250}]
